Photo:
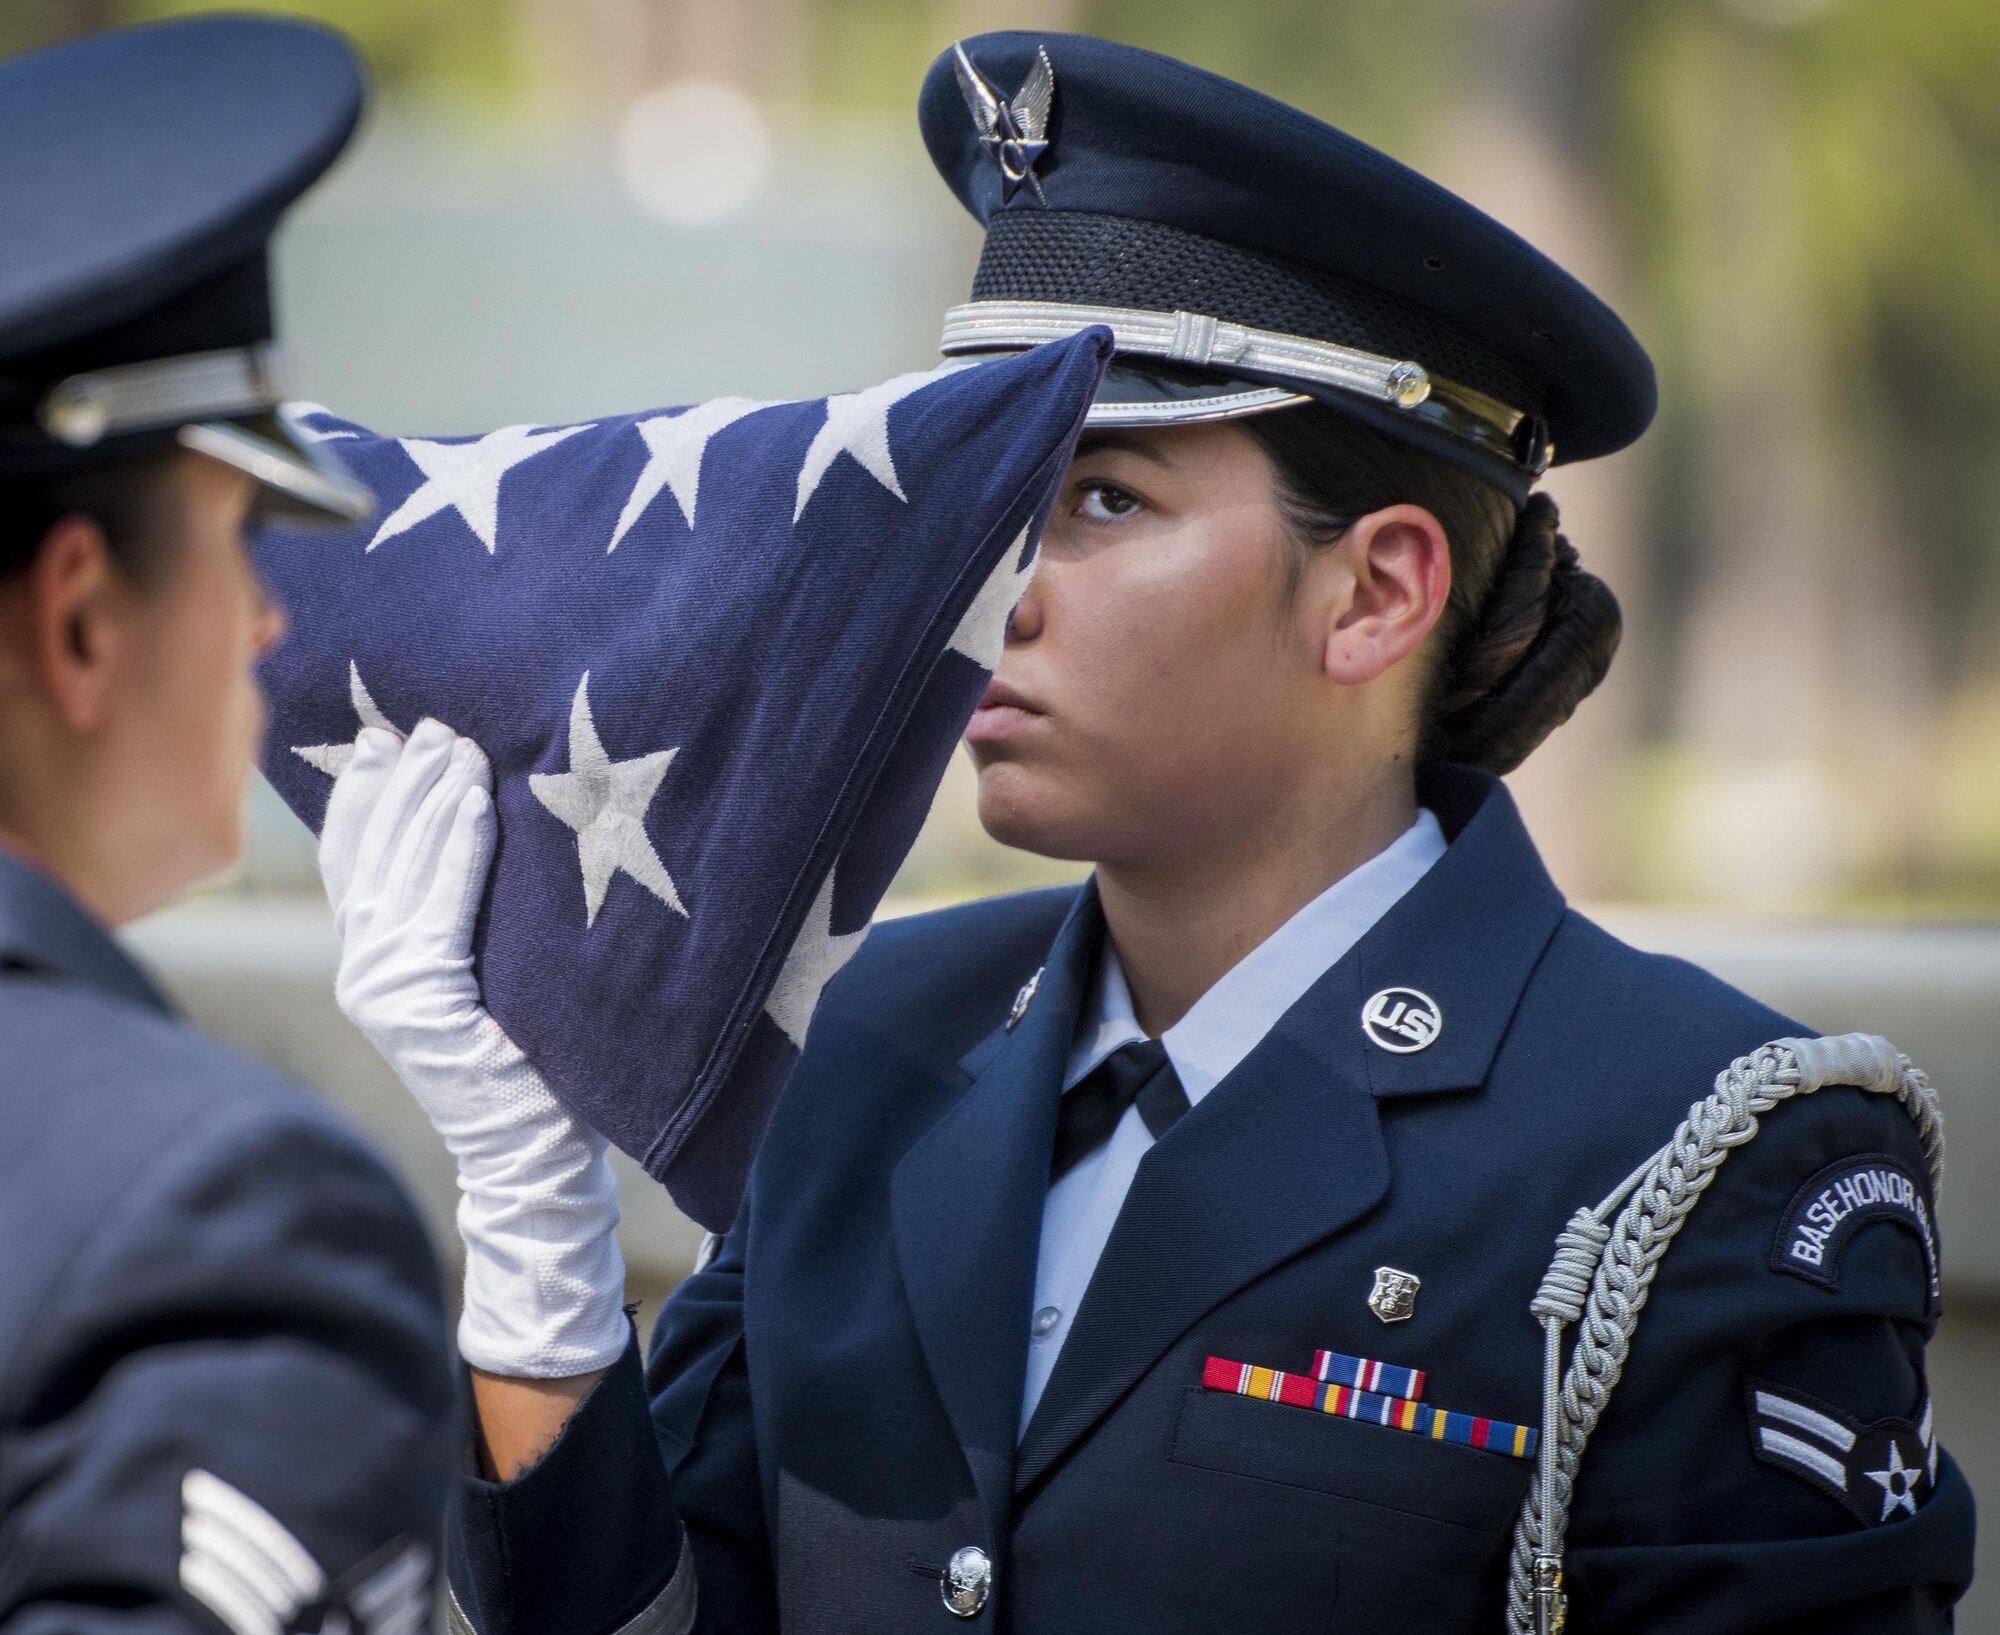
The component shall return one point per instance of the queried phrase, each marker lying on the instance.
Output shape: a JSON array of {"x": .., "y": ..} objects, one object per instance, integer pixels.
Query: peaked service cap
[
  {"x": 1247, "y": 257},
  {"x": 142, "y": 171}
]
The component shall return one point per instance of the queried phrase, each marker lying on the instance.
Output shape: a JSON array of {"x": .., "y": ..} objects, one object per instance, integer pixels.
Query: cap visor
[
  {"x": 303, "y": 482},
  {"x": 1136, "y": 394}
]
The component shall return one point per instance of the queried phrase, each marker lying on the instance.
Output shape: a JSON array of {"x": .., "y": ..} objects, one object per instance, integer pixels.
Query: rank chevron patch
[
  {"x": 239, "y": 1561},
  {"x": 1878, "y": 1472},
  {"x": 245, "y": 1566}
]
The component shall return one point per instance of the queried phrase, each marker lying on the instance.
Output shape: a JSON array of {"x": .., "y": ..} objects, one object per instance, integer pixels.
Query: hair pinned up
[
  {"x": 1542, "y": 640},
  {"x": 1527, "y": 633}
]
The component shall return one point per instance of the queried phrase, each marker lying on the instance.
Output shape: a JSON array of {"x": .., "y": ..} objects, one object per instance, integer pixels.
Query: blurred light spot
[
  {"x": 694, "y": 151},
  {"x": 1775, "y": 14}
]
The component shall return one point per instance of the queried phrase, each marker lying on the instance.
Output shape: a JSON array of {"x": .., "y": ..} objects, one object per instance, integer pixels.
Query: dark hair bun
[{"x": 1541, "y": 642}]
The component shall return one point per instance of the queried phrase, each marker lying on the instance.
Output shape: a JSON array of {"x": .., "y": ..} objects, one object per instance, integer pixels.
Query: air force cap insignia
[{"x": 1016, "y": 132}]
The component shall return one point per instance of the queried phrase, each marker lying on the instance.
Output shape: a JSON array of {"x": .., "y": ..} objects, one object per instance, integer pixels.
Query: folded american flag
[{"x": 719, "y": 657}]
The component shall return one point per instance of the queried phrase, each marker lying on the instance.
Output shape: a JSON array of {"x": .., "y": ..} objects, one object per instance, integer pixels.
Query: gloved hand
[{"x": 404, "y": 851}]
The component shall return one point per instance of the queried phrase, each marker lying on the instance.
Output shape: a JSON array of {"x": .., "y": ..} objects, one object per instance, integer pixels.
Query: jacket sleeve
[
  {"x": 1769, "y": 1462},
  {"x": 646, "y": 1517},
  {"x": 237, "y": 1405}
]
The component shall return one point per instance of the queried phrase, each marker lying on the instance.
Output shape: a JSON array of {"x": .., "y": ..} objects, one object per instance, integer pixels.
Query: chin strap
[{"x": 1606, "y": 1259}]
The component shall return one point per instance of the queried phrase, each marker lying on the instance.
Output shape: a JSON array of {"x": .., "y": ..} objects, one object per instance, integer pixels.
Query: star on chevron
[
  {"x": 466, "y": 477},
  {"x": 815, "y": 959},
  {"x": 332, "y": 759},
  {"x": 605, "y": 802},
  {"x": 857, "y": 423},
  {"x": 675, "y": 445},
  {"x": 1898, "y": 1482},
  {"x": 982, "y": 632}
]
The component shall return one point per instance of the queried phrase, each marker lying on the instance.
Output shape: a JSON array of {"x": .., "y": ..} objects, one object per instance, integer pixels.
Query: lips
[
  {"x": 1002, "y": 713},
  {"x": 999, "y": 695}
]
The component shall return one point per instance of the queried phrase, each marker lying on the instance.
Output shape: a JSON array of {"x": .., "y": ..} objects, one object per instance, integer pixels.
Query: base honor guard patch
[
  {"x": 1842, "y": 1199},
  {"x": 1344, "y": 1401},
  {"x": 1878, "y": 1472}
]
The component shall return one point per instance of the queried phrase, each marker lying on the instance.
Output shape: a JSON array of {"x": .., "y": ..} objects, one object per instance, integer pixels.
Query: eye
[{"x": 1100, "y": 501}]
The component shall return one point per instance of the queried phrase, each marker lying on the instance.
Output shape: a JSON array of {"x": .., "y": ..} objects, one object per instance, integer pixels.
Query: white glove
[{"x": 405, "y": 850}]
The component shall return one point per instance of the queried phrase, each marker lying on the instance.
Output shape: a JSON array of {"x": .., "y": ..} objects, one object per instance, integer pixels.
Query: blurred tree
[
  {"x": 1382, "y": 69},
  {"x": 25, "y": 23},
  {"x": 1813, "y": 187},
  {"x": 459, "y": 48}
]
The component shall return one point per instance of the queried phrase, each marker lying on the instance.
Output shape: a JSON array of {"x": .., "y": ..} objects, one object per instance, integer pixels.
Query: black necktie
[{"x": 1136, "y": 1074}]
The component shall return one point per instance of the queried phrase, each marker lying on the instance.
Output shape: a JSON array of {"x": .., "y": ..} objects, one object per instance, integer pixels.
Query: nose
[
  {"x": 268, "y": 623},
  {"x": 1024, "y": 624}
]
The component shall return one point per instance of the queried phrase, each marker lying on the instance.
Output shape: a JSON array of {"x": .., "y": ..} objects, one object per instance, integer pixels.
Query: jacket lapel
[
  {"x": 1279, "y": 1155},
  {"x": 1288, "y": 1149},
  {"x": 966, "y": 1204}
]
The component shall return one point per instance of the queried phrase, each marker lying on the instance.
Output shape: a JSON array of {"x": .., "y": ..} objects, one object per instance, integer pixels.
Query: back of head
[
  {"x": 1527, "y": 633},
  {"x": 142, "y": 172}
]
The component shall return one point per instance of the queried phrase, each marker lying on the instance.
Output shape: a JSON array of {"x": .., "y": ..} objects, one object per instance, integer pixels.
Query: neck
[
  {"x": 1179, "y": 925},
  {"x": 65, "y": 871},
  {"x": 50, "y": 818}
]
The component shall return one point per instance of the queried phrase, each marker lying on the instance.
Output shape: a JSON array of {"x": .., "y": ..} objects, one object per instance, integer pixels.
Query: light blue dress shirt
[{"x": 1219, "y": 1030}]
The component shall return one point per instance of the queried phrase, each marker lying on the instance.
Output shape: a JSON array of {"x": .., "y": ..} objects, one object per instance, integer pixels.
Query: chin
[{"x": 1030, "y": 812}]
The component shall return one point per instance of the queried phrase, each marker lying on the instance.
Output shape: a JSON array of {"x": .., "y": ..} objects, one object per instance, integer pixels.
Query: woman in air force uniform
[
  {"x": 226, "y": 1398},
  {"x": 1158, "y": 1255}
]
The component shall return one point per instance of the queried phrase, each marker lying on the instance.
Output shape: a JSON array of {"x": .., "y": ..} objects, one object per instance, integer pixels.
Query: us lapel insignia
[
  {"x": 1394, "y": 1297},
  {"x": 1402, "y": 1020},
  {"x": 1023, "y": 1000}
]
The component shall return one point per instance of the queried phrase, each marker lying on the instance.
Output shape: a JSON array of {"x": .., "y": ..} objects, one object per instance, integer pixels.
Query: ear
[
  {"x": 72, "y": 623},
  {"x": 1398, "y": 561}
]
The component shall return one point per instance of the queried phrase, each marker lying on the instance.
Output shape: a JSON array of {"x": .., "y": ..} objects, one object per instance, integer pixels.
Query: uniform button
[
  {"x": 967, "y": 1581},
  {"x": 1046, "y": 1320}
]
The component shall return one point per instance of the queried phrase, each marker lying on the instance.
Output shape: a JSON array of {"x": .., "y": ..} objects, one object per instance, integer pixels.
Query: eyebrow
[{"x": 1099, "y": 442}]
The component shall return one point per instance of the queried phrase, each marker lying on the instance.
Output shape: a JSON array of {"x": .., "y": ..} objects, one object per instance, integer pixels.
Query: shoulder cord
[{"x": 1603, "y": 1270}]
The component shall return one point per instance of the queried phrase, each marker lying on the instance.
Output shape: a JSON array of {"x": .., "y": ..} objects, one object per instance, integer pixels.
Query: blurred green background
[{"x": 565, "y": 207}]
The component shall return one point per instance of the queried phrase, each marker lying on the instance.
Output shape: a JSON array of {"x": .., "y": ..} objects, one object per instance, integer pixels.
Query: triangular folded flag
[{"x": 719, "y": 657}]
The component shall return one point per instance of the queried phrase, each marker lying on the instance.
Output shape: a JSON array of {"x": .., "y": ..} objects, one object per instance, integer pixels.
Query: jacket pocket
[{"x": 1350, "y": 1459}]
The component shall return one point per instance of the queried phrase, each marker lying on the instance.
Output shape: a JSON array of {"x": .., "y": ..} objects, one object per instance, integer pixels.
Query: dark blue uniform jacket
[
  {"x": 226, "y": 1392},
  {"x": 830, "y": 1408}
]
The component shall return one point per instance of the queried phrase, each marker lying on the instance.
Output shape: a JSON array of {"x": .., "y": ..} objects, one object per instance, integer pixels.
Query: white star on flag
[
  {"x": 675, "y": 445},
  {"x": 605, "y": 802},
  {"x": 815, "y": 959},
  {"x": 857, "y": 423},
  {"x": 332, "y": 759},
  {"x": 466, "y": 477},
  {"x": 982, "y": 633},
  {"x": 1897, "y": 1483}
]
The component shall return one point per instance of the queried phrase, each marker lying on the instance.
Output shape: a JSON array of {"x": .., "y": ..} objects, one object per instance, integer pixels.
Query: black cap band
[{"x": 1121, "y": 261}]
